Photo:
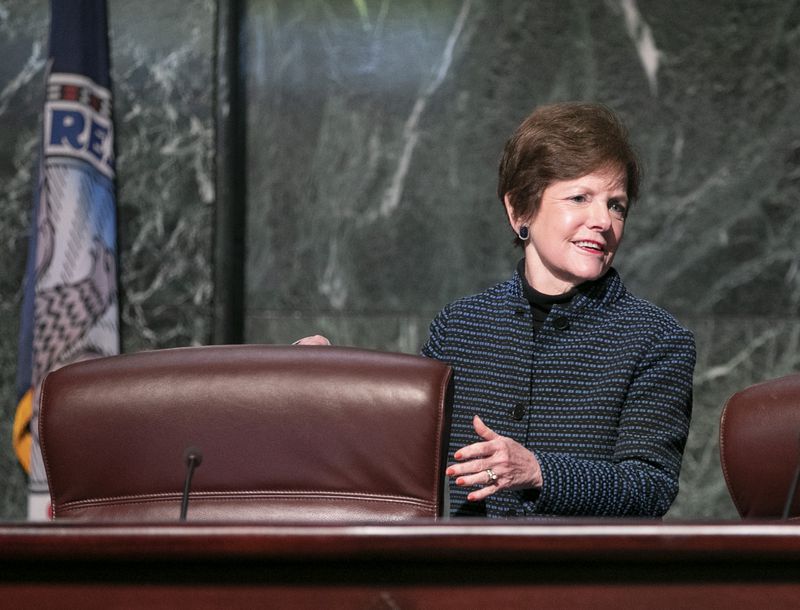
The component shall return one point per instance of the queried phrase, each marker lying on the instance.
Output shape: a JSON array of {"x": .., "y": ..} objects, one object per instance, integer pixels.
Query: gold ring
[{"x": 491, "y": 477}]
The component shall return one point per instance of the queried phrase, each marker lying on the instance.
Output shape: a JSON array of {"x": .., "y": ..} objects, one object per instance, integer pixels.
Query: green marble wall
[
  {"x": 163, "y": 73},
  {"x": 374, "y": 134}
]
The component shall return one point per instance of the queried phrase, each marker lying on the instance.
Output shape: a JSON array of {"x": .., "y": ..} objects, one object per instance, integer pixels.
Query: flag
[{"x": 69, "y": 309}]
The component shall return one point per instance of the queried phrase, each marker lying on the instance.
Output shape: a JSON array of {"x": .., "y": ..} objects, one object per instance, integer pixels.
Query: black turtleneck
[{"x": 541, "y": 304}]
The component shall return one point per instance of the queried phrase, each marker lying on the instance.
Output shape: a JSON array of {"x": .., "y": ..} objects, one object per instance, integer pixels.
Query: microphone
[{"x": 193, "y": 458}]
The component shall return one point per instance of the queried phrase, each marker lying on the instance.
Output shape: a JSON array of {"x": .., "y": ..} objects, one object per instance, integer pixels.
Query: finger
[
  {"x": 480, "y": 494},
  {"x": 462, "y": 469},
  {"x": 312, "y": 340},
  {"x": 477, "y": 479},
  {"x": 468, "y": 469},
  {"x": 474, "y": 451},
  {"x": 484, "y": 431}
]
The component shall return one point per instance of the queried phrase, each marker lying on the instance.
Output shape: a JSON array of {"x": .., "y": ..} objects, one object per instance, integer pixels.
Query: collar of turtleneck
[{"x": 541, "y": 304}]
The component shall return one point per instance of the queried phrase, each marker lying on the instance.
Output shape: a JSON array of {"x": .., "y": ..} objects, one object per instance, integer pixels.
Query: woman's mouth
[{"x": 590, "y": 246}]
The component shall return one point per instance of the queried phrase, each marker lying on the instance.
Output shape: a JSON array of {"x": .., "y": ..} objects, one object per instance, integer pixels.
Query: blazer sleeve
[
  {"x": 435, "y": 345},
  {"x": 642, "y": 478}
]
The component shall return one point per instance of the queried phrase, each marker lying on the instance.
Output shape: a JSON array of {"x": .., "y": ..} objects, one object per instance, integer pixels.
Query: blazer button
[
  {"x": 518, "y": 412},
  {"x": 561, "y": 323}
]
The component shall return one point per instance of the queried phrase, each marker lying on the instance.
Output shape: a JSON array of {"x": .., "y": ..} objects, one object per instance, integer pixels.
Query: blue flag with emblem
[{"x": 70, "y": 309}]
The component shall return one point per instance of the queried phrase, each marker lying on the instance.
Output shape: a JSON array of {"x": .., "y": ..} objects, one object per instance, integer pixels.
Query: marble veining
[
  {"x": 410, "y": 137},
  {"x": 642, "y": 37}
]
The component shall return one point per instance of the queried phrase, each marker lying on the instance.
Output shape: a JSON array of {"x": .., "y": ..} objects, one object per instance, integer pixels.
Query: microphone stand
[{"x": 193, "y": 459}]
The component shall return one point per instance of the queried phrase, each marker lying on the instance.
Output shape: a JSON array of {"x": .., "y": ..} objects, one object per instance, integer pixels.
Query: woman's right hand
[{"x": 312, "y": 340}]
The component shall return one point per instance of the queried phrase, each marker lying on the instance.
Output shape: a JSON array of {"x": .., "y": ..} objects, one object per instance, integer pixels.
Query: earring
[{"x": 524, "y": 234}]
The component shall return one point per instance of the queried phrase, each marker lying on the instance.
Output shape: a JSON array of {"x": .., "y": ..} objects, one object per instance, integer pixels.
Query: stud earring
[{"x": 524, "y": 233}]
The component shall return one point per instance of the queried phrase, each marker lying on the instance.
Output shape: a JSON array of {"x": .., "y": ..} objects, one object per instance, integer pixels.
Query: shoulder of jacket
[
  {"x": 496, "y": 296},
  {"x": 637, "y": 310}
]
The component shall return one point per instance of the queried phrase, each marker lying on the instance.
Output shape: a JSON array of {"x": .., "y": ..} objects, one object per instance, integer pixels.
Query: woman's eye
[
  {"x": 579, "y": 198},
  {"x": 618, "y": 208}
]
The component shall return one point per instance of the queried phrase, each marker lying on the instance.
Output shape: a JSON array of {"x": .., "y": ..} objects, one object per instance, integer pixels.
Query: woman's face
[{"x": 576, "y": 231}]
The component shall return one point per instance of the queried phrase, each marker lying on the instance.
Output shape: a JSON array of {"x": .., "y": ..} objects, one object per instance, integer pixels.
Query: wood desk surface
[{"x": 449, "y": 564}]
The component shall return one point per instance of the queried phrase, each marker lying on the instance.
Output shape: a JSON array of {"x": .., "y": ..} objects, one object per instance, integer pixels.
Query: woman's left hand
[
  {"x": 313, "y": 340},
  {"x": 515, "y": 466}
]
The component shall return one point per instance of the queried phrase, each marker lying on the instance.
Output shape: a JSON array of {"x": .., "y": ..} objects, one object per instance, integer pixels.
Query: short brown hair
[{"x": 564, "y": 141}]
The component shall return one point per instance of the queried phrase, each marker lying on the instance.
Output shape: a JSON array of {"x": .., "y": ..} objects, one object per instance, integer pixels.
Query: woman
[{"x": 572, "y": 396}]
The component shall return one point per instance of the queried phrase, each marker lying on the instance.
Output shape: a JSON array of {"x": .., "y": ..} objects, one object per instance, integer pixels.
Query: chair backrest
[
  {"x": 759, "y": 439},
  {"x": 306, "y": 433}
]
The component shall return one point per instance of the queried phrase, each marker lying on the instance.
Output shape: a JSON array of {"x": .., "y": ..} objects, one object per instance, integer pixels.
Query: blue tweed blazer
[{"x": 602, "y": 394}]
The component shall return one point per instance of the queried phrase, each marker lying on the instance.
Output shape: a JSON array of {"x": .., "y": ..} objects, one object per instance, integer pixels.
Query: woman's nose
[{"x": 599, "y": 216}]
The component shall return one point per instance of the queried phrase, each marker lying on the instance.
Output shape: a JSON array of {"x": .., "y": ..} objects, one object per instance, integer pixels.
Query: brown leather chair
[
  {"x": 759, "y": 439},
  {"x": 287, "y": 433}
]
